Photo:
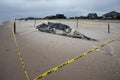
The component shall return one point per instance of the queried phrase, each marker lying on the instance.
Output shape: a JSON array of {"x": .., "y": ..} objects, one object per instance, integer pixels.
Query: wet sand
[{"x": 43, "y": 51}]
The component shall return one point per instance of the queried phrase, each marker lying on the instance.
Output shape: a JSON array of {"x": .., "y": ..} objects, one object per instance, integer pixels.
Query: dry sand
[{"x": 43, "y": 51}]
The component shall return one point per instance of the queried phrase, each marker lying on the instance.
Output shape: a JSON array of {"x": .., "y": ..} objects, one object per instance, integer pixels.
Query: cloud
[{"x": 10, "y": 9}]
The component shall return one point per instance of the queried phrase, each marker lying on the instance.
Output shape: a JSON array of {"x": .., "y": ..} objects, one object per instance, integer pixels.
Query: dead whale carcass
[
  {"x": 43, "y": 27},
  {"x": 61, "y": 29},
  {"x": 56, "y": 28}
]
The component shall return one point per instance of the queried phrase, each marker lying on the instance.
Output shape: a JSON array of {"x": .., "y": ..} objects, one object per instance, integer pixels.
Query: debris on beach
[{"x": 62, "y": 29}]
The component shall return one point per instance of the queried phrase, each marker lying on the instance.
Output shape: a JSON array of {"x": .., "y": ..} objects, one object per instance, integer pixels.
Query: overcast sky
[{"x": 11, "y": 9}]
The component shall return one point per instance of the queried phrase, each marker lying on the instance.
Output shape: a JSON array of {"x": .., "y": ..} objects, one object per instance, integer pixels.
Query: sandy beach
[{"x": 42, "y": 51}]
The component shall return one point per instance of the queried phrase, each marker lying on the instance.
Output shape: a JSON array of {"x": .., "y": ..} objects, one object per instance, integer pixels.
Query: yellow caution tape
[
  {"x": 92, "y": 24},
  {"x": 72, "y": 60},
  {"x": 20, "y": 56}
]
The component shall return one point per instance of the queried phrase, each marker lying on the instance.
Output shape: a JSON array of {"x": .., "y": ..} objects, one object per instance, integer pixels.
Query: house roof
[{"x": 112, "y": 13}]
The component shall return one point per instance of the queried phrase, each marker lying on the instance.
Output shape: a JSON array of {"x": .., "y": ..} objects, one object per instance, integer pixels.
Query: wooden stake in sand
[
  {"x": 14, "y": 27},
  {"x": 108, "y": 28},
  {"x": 77, "y": 24},
  {"x": 34, "y": 23}
]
